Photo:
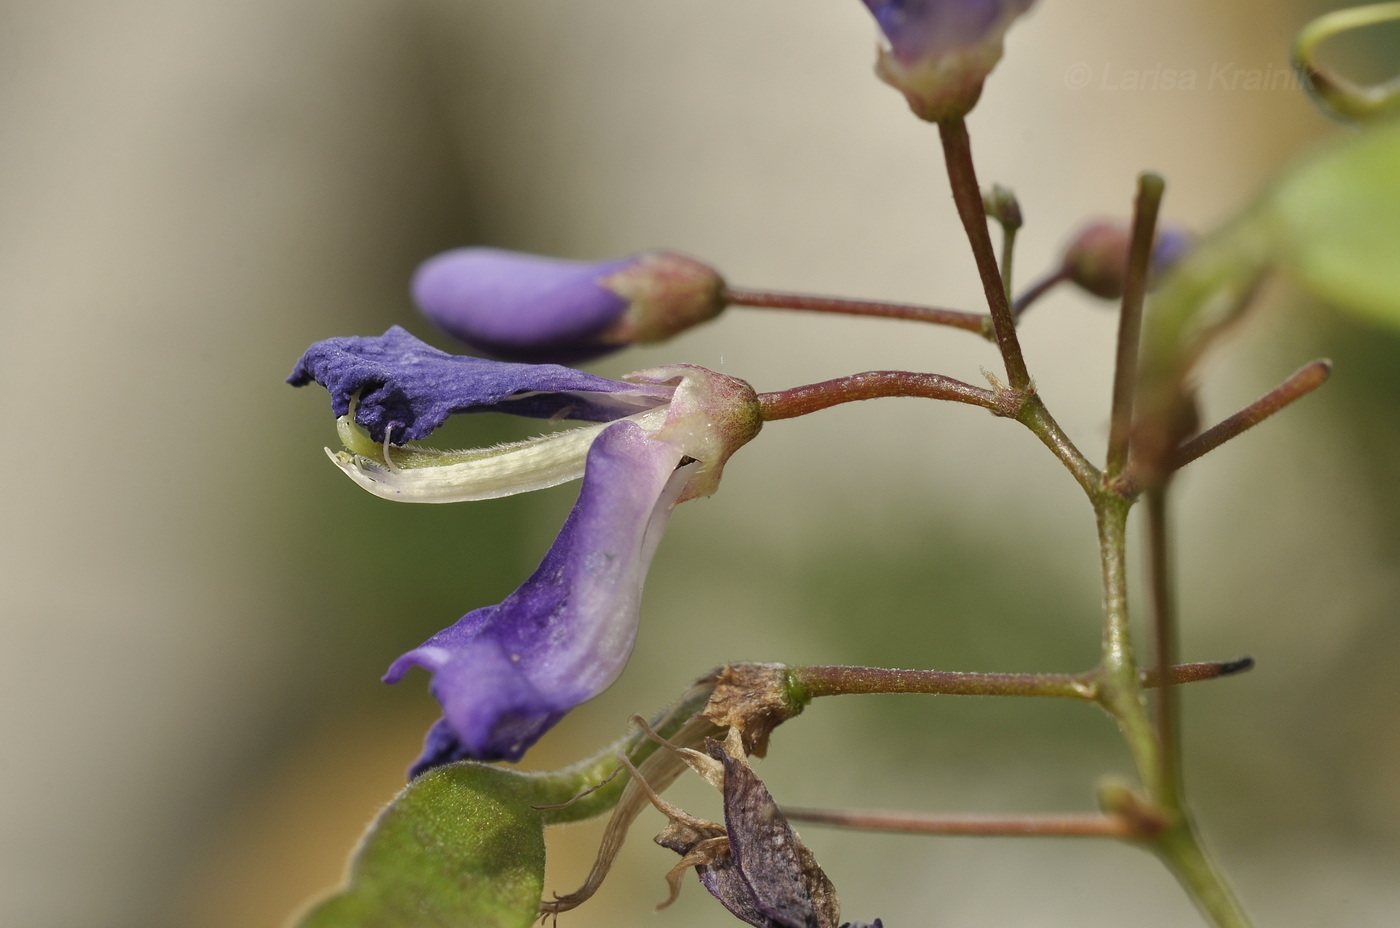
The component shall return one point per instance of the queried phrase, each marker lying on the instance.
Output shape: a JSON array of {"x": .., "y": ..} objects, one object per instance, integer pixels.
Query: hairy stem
[
  {"x": 807, "y": 683},
  {"x": 1049, "y": 826},
  {"x": 1120, "y": 693},
  {"x": 967, "y": 195},
  {"x": 1297, "y": 386},
  {"x": 768, "y": 299},
  {"x": 810, "y": 398}
]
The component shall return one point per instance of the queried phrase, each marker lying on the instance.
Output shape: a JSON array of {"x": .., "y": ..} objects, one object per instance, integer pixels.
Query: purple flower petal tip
[
  {"x": 520, "y": 306},
  {"x": 407, "y": 388}
]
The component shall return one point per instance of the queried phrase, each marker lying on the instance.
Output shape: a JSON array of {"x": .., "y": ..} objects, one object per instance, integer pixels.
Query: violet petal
[
  {"x": 410, "y": 388},
  {"x": 504, "y": 674}
]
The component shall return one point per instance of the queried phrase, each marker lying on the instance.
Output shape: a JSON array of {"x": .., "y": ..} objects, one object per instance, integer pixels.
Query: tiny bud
[
  {"x": 1002, "y": 207},
  {"x": 525, "y": 307},
  {"x": 1097, "y": 259}
]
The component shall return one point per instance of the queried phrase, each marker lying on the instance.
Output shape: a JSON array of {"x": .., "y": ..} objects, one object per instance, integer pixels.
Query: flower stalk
[
  {"x": 967, "y": 196},
  {"x": 1149, "y": 201},
  {"x": 979, "y": 323},
  {"x": 1015, "y": 826},
  {"x": 810, "y": 398},
  {"x": 807, "y": 683}
]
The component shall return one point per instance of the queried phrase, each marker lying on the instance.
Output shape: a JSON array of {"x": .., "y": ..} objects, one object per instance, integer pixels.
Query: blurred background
[{"x": 197, "y": 606}]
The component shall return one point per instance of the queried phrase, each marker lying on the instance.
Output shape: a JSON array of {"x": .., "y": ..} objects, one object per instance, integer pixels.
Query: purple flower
[
  {"x": 530, "y": 308},
  {"x": 941, "y": 51},
  {"x": 504, "y": 674}
]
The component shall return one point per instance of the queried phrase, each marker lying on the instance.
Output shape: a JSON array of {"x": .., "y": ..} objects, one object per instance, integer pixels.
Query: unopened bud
[
  {"x": 1002, "y": 207},
  {"x": 1097, "y": 260},
  {"x": 524, "y": 307}
]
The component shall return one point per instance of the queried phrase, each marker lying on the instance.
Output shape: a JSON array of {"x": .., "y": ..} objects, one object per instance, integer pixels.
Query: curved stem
[
  {"x": 769, "y": 299},
  {"x": 1034, "y": 415},
  {"x": 804, "y": 400},
  {"x": 1037, "y": 290},
  {"x": 1345, "y": 98}
]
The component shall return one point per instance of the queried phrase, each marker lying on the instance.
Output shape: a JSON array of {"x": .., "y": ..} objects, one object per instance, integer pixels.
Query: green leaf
[
  {"x": 460, "y": 846},
  {"x": 1336, "y": 220},
  {"x": 1332, "y": 223}
]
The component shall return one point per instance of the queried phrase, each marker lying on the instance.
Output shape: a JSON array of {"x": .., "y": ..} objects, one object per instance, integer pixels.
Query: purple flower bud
[
  {"x": 1097, "y": 259},
  {"x": 531, "y": 308},
  {"x": 940, "y": 51}
]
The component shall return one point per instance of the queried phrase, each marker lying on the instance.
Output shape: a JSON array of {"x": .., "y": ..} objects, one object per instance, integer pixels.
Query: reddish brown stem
[
  {"x": 811, "y": 682},
  {"x": 1149, "y": 200},
  {"x": 1037, "y": 290},
  {"x": 767, "y": 299},
  {"x": 800, "y": 401},
  {"x": 967, "y": 195},
  {"x": 1299, "y": 385},
  {"x": 1049, "y": 826}
]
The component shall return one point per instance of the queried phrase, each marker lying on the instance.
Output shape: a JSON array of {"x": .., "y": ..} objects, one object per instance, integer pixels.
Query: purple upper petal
[
  {"x": 410, "y": 388},
  {"x": 504, "y": 674},
  {"x": 921, "y": 28},
  {"x": 519, "y": 306},
  {"x": 917, "y": 28}
]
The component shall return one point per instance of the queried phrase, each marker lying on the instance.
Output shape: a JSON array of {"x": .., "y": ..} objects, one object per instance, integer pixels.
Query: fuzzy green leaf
[
  {"x": 459, "y": 846},
  {"x": 1337, "y": 222}
]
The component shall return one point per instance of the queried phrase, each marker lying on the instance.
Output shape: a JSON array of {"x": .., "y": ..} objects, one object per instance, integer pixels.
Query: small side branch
[
  {"x": 811, "y": 682},
  {"x": 979, "y": 323},
  {"x": 801, "y": 401},
  {"x": 1037, "y": 290},
  {"x": 1045, "y": 826},
  {"x": 1299, "y": 385}
]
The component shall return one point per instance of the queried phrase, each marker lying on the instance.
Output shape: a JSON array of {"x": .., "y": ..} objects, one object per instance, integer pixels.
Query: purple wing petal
[
  {"x": 410, "y": 388},
  {"x": 505, "y": 674}
]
